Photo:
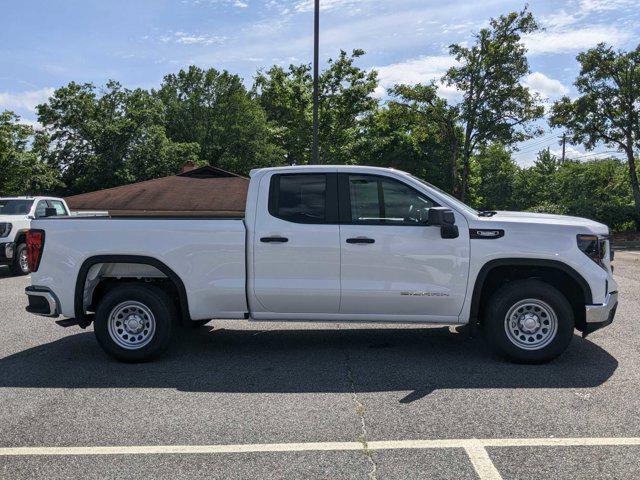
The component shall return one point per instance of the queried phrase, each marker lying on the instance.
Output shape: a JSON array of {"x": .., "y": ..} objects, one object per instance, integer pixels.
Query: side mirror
[
  {"x": 445, "y": 218},
  {"x": 50, "y": 212}
]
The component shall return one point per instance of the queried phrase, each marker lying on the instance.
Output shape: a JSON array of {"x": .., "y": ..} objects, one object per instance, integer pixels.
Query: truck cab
[{"x": 16, "y": 214}]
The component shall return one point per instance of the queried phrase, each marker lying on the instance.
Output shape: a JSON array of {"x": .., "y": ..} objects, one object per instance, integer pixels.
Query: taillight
[
  {"x": 594, "y": 247},
  {"x": 35, "y": 244}
]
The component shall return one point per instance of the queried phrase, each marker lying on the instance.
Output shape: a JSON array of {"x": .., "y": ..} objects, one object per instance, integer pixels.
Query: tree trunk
[
  {"x": 635, "y": 189},
  {"x": 465, "y": 163},
  {"x": 465, "y": 175},
  {"x": 454, "y": 166}
]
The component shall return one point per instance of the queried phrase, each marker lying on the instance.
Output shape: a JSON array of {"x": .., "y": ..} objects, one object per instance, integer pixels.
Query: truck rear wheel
[
  {"x": 134, "y": 322},
  {"x": 20, "y": 266},
  {"x": 529, "y": 321}
]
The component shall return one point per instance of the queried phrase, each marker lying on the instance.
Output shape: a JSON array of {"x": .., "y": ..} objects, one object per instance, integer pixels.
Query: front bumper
[
  {"x": 601, "y": 315},
  {"x": 7, "y": 252},
  {"x": 42, "y": 301}
]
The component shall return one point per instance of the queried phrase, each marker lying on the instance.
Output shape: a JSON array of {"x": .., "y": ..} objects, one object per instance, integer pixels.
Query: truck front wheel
[
  {"x": 529, "y": 321},
  {"x": 20, "y": 265},
  {"x": 133, "y": 322}
]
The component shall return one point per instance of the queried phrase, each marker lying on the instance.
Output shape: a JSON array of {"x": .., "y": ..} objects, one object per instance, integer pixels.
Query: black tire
[
  {"x": 530, "y": 298},
  {"x": 154, "y": 300},
  {"x": 16, "y": 267}
]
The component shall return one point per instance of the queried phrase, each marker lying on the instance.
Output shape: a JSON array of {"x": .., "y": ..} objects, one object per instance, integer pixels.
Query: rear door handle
[
  {"x": 274, "y": 240},
  {"x": 361, "y": 240}
]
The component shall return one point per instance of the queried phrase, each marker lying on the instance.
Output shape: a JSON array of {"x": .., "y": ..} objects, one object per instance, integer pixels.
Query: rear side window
[
  {"x": 299, "y": 198},
  {"x": 57, "y": 204}
]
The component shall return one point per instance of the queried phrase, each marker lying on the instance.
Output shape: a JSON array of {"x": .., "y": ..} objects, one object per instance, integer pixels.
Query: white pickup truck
[
  {"x": 16, "y": 214},
  {"x": 329, "y": 244}
]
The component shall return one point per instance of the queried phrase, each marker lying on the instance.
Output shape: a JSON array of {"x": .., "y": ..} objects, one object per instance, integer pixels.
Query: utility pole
[
  {"x": 564, "y": 144},
  {"x": 316, "y": 43}
]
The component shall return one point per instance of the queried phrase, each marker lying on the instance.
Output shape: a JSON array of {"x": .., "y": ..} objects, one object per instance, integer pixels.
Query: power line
[
  {"x": 540, "y": 141},
  {"x": 538, "y": 146}
]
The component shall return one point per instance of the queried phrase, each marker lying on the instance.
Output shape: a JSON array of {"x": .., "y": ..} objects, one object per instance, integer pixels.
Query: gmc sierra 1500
[
  {"x": 16, "y": 214},
  {"x": 329, "y": 243}
]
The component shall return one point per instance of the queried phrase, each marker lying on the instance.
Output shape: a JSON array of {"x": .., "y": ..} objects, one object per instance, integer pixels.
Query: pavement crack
[{"x": 361, "y": 412}]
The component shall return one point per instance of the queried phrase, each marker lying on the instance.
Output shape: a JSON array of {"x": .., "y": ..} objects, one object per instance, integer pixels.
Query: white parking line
[
  {"x": 474, "y": 448},
  {"x": 482, "y": 463}
]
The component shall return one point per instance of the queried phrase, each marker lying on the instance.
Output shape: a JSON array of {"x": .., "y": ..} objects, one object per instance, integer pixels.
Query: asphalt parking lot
[{"x": 275, "y": 400}]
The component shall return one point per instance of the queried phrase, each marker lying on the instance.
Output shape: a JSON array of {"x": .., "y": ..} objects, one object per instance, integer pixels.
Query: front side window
[
  {"x": 384, "y": 201},
  {"x": 41, "y": 209},
  {"x": 299, "y": 198}
]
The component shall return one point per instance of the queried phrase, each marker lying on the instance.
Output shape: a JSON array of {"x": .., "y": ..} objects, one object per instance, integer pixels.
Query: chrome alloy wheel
[
  {"x": 531, "y": 324},
  {"x": 131, "y": 325},
  {"x": 23, "y": 262}
]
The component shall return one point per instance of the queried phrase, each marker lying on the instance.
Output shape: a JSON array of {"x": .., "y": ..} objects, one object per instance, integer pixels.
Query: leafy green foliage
[
  {"x": 495, "y": 107},
  {"x": 214, "y": 110},
  {"x": 608, "y": 107},
  {"x": 23, "y": 172},
  {"x": 416, "y": 132},
  {"x": 345, "y": 101},
  {"x": 497, "y": 173},
  {"x": 101, "y": 140}
]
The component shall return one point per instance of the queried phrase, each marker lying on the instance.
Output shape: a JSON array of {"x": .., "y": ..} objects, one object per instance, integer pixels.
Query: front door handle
[
  {"x": 274, "y": 240},
  {"x": 361, "y": 240}
]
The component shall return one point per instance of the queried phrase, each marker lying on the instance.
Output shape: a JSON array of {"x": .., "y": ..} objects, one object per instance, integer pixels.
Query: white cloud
[
  {"x": 327, "y": 5},
  {"x": 193, "y": 39},
  {"x": 547, "y": 87},
  {"x": 572, "y": 152},
  {"x": 235, "y": 3},
  {"x": 559, "y": 19},
  {"x": 604, "y": 5},
  {"x": 570, "y": 40},
  {"x": 25, "y": 100},
  {"x": 417, "y": 70}
]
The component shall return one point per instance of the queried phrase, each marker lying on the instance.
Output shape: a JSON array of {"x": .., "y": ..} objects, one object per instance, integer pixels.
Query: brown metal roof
[{"x": 203, "y": 191}]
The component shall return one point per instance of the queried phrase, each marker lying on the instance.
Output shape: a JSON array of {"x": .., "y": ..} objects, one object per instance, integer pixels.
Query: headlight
[
  {"x": 5, "y": 229},
  {"x": 594, "y": 247}
]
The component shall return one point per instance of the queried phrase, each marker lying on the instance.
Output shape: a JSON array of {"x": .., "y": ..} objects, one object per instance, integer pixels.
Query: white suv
[{"x": 16, "y": 214}]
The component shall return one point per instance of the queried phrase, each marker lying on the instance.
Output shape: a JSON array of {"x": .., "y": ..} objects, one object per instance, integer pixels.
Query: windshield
[
  {"x": 450, "y": 198},
  {"x": 15, "y": 207}
]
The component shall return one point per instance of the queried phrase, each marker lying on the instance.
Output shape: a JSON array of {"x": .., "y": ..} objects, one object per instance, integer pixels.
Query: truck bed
[{"x": 207, "y": 254}]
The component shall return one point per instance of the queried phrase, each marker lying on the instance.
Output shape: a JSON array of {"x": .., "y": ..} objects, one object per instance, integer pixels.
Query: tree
[
  {"x": 286, "y": 97},
  {"x": 608, "y": 107},
  {"x": 415, "y": 131},
  {"x": 432, "y": 110},
  {"x": 215, "y": 110},
  {"x": 597, "y": 189},
  {"x": 495, "y": 106},
  {"x": 23, "y": 172},
  {"x": 537, "y": 186},
  {"x": 497, "y": 173},
  {"x": 345, "y": 101},
  {"x": 103, "y": 139}
]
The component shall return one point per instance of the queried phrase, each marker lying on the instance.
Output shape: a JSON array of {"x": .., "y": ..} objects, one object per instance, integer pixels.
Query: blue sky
[{"x": 46, "y": 44}]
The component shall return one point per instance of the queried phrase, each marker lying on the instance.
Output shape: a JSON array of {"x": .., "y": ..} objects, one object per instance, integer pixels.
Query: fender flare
[
  {"x": 524, "y": 262},
  {"x": 20, "y": 234},
  {"x": 139, "y": 259}
]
